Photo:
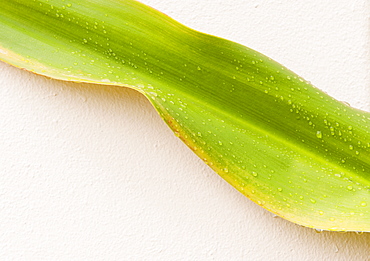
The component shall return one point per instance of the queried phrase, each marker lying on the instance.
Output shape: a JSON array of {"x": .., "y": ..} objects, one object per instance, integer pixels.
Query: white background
[{"x": 92, "y": 173}]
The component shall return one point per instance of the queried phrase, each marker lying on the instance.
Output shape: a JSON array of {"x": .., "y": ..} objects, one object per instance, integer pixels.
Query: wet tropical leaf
[{"x": 283, "y": 143}]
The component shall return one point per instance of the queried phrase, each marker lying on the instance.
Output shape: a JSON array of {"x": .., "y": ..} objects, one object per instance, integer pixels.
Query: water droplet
[
  {"x": 254, "y": 174},
  {"x": 349, "y": 187},
  {"x": 363, "y": 204},
  {"x": 319, "y": 134},
  {"x": 318, "y": 230},
  {"x": 280, "y": 189}
]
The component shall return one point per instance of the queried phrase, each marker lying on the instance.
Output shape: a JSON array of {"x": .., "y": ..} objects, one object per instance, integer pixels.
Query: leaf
[{"x": 283, "y": 143}]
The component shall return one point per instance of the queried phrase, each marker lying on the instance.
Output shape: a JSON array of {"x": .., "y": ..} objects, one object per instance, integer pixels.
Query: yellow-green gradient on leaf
[{"x": 283, "y": 143}]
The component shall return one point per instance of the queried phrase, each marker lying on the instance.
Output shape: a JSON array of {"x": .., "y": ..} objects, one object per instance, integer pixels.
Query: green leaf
[{"x": 283, "y": 143}]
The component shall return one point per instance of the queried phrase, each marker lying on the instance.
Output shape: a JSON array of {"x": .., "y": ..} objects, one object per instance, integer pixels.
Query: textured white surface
[{"x": 92, "y": 173}]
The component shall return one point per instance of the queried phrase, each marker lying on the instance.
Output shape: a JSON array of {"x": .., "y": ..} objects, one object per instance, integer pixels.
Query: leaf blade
[{"x": 283, "y": 143}]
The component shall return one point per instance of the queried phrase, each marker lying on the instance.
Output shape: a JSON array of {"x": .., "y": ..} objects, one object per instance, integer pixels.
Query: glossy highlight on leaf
[{"x": 280, "y": 141}]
